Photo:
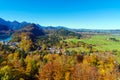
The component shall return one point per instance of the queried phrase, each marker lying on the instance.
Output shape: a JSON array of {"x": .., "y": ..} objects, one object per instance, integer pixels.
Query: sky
[{"x": 78, "y": 14}]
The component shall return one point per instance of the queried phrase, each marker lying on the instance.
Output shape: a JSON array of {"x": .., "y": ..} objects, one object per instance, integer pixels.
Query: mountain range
[
  {"x": 14, "y": 25},
  {"x": 7, "y": 28}
]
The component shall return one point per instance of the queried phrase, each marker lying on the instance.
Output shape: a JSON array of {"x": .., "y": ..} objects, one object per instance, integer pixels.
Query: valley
[{"x": 59, "y": 53}]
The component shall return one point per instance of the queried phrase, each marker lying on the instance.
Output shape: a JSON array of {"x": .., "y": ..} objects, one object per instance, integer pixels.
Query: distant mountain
[
  {"x": 34, "y": 29},
  {"x": 13, "y": 25},
  {"x": 60, "y": 30},
  {"x": 51, "y": 29}
]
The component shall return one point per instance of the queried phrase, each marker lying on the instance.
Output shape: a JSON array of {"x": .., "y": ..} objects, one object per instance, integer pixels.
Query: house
[{"x": 13, "y": 44}]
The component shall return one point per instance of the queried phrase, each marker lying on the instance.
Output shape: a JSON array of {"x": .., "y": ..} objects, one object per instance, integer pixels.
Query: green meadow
[
  {"x": 104, "y": 42},
  {"x": 101, "y": 42}
]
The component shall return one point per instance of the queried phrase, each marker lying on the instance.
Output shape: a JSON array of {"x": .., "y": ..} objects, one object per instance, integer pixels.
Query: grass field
[
  {"x": 72, "y": 40},
  {"x": 101, "y": 42}
]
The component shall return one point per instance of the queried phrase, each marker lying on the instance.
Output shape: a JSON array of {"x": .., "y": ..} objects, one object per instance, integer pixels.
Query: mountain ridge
[{"x": 16, "y": 25}]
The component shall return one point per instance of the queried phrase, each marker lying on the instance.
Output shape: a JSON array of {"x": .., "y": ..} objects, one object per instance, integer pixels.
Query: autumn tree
[{"x": 26, "y": 42}]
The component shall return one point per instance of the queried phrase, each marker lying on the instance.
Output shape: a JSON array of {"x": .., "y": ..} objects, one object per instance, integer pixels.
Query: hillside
[
  {"x": 3, "y": 28},
  {"x": 5, "y": 31},
  {"x": 30, "y": 30},
  {"x": 33, "y": 28},
  {"x": 64, "y": 32}
]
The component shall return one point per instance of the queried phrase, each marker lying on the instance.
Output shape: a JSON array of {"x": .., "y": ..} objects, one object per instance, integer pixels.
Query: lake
[{"x": 7, "y": 39}]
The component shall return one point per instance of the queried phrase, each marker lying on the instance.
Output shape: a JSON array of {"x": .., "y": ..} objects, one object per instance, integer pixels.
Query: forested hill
[
  {"x": 33, "y": 31},
  {"x": 3, "y": 27},
  {"x": 32, "y": 28},
  {"x": 5, "y": 31}
]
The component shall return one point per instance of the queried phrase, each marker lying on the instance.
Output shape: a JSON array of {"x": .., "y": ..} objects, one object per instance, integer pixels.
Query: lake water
[{"x": 7, "y": 39}]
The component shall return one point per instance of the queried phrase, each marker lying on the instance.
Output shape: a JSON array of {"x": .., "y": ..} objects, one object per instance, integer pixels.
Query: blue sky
[{"x": 88, "y": 14}]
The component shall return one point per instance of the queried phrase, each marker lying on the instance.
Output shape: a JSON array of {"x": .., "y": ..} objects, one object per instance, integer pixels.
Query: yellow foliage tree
[{"x": 26, "y": 43}]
